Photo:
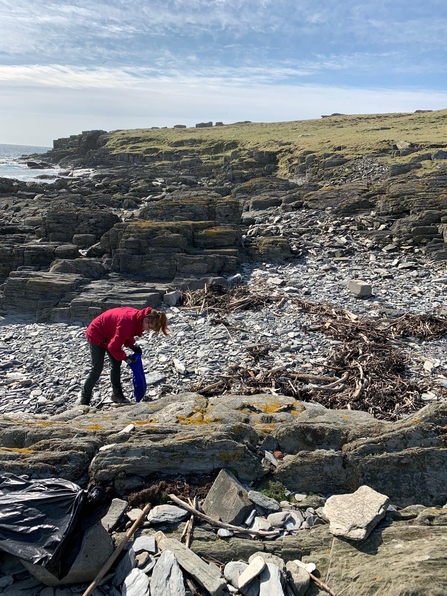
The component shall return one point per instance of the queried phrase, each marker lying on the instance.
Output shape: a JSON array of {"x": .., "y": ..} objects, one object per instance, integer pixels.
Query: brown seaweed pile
[{"x": 366, "y": 372}]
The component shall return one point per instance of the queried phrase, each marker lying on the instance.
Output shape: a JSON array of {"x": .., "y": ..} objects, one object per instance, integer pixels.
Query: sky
[{"x": 73, "y": 65}]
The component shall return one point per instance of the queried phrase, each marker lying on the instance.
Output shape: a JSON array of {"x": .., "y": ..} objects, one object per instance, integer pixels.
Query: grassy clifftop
[{"x": 351, "y": 135}]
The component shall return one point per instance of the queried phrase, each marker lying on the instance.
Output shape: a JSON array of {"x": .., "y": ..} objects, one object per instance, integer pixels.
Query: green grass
[{"x": 350, "y": 136}]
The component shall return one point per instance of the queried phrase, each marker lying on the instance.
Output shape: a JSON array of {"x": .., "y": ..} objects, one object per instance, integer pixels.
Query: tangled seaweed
[{"x": 367, "y": 371}]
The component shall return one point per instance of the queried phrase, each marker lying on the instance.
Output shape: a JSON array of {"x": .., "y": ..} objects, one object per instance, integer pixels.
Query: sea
[{"x": 11, "y": 168}]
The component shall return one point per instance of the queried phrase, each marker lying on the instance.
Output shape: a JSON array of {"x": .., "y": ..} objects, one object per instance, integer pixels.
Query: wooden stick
[
  {"x": 191, "y": 525},
  {"x": 130, "y": 532},
  {"x": 305, "y": 377},
  {"x": 220, "y": 524},
  {"x": 321, "y": 585}
]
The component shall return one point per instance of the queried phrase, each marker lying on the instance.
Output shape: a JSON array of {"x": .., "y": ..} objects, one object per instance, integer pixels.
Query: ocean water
[{"x": 11, "y": 168}]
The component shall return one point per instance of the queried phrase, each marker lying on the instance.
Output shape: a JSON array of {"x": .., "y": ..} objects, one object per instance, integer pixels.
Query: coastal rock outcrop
[{"x": 322, "y": 451}]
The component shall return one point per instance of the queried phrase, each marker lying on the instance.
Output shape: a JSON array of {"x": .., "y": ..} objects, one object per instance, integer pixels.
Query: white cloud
[
  {"x": 45, "y": 104},
  {"x": 79, "y": 64}
]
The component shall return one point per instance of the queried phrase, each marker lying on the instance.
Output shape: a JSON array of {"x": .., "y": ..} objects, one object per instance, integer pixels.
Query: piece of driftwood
[
  {"x": 130, "y": 532},
  {"x": 187, "y": 530},
  {"x": 220, "y": 524},
  {"x": 322, "y": 585}
]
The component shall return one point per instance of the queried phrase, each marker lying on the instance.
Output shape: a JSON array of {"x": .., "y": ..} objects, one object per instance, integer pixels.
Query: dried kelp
[
  {"x": 217, "y": 297},
  {"x": 425, "y": 326},
  {"x": 366, "y": 371},
  {"x": 373, "y": 381}
]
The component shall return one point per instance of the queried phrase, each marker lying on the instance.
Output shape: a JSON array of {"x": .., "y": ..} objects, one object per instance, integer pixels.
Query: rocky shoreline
[{"x": 311, "y": 281}]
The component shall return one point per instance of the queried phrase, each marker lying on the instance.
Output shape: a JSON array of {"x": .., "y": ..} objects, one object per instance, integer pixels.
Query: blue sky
[{"x": 73, "y": 65}]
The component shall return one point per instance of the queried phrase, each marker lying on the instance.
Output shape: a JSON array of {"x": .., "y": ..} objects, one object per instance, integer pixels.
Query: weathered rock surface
[
  {"x": 177, "y": 215},
  {"x": 189, "y": 434},
  {"x": 355, "y": 516}
]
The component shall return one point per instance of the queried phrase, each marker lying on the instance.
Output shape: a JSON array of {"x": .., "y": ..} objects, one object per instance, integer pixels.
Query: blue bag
[{"x": 138, "y": 378}]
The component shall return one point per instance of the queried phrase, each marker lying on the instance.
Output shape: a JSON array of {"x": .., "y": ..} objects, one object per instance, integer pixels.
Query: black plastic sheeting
[{"x": 43, "y": 521}]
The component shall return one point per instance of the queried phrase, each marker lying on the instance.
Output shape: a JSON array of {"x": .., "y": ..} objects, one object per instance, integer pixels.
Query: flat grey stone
[
  {"x": 278, "y": 520},
  {"x": 270, "y": 581},
  {"x": 166, "y": 514},
  {"x": 227, "y": 500},
  {"x": 260, "y": 523},
  {"x": 354, "y": 516},
  {"x": 232, "y": 571},
  {"x": 136, "y": 584},
  {"x": 253, "y": 569},
  {"x": 223, "y": 533},
  {"x": 154, "y": 378},
  {"x": 124, "y": 567},
  {"x": 115, "y": 512},
  {"x": 263, "y": 501},
  {"x": 95, "y": 549},
  {"x": 298, "y": 577},
  {"x": 144, "y": 542},
  {"x": 167, "y": 577},
  {"x": 207, "y": 576}
]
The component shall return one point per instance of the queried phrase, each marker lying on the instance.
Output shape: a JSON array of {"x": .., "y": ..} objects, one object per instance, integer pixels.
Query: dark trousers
[{"x": 98, "y": 355}]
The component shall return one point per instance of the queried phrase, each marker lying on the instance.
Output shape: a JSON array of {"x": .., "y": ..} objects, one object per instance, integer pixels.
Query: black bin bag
[{"x": 43, "y": 521}]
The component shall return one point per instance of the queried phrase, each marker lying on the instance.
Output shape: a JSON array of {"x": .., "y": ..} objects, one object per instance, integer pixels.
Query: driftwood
[
  {"x": 117, "y": 551},
  {"x": 187, "y": 531},
  {"x": 219, "y": 524},
  {"x": 369, "y": 364},
  {"x": 321, "y": 585}
]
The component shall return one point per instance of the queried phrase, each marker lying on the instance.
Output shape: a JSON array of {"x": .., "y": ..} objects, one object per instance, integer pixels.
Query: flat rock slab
[
  {"x": 136, "y": 584},
  {"x": 354, "y": 516},
  {"x": 167, "y": 577},
  {"x": 166, "y": 514},
  {"x": 254, "y": 569},
  {"x": 227, "y": 500},
  {"x": 270, "y": 581},
  {"x": 206, "y": 575},
  {"x": 115, "y": 512}
]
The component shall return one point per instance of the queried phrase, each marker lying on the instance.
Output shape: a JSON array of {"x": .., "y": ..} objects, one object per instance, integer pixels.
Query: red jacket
[{"x": 117, "y": 327}]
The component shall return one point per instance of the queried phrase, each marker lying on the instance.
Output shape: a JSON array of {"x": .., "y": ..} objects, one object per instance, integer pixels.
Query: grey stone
[
  {"x": 167, "y": 577},
  {"x": 136, "y": 584},
  {"x": 114, "y": 514},
  {"x": 172, "y": 298},
  {"x": 270, "y": 581},
  {"x": 144, "y": 543},
  {"x": 354, "y": 516},
  {"x": 359, "y": 288},
  {"x": 223, "y": 533},
  {"x": 126, "y": 564},
  {"x": 96, "y": 548},
  {"x": 278, "y": 520},
  {"x": 299, "y": 578},
  {"x": 254, "y": 569},
  {"x": 206, "y": 575},
  {"x": 166, "y": 514},
  {"x": 232, "y": 571},
  {"x": 154, "y": 378},
  {"x": 227, "y": 500},
  {"x": 263, "y": 501}
]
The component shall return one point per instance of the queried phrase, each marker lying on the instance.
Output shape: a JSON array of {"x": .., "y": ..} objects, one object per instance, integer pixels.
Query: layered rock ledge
[{"x": 304, "y": 446}]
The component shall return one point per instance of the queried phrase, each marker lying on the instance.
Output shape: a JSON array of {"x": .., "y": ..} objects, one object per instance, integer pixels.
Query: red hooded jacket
[{"x": 116, "y": 328}]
